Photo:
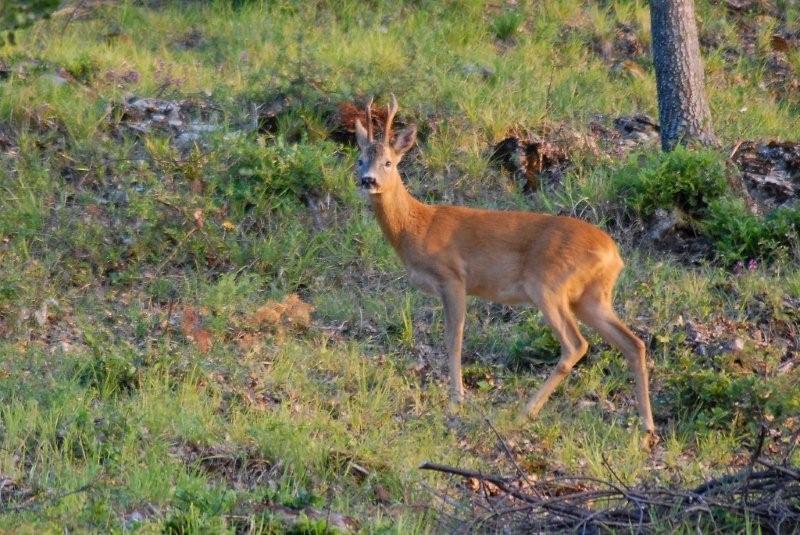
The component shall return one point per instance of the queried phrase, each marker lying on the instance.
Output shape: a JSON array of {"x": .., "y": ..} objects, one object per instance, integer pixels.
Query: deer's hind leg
[
  {"x": 594, "y": 309},
  {"x": 559, "y": 316}
]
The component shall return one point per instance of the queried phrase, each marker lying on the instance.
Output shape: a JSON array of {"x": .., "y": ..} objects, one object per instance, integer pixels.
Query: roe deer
[{"x": 565, "y": 267}]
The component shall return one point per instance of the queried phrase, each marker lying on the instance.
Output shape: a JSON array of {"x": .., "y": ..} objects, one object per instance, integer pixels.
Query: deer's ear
[
  {"x": 404, "y": 140},
  {"x": 362, "y": 137}
]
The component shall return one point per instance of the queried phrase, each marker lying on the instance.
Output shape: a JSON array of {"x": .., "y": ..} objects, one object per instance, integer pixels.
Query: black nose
[{"x": 368, "y": 181}]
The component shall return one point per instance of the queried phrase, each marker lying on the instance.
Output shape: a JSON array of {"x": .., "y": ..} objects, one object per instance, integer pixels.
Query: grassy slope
[{"x": 107, "y": 390}]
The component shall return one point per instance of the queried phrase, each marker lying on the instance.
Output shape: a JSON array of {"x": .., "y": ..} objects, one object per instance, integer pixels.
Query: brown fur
[{"x": 565, "y": 267}]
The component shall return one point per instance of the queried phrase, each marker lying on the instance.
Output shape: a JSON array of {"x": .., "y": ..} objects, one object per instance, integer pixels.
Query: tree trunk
[{"x": 682, "y": 106}]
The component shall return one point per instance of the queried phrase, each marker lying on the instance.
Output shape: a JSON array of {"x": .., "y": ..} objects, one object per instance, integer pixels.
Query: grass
[{"x": 120, "y": 413}]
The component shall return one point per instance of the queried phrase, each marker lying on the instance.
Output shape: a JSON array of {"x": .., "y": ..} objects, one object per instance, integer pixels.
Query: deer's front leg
[{"x": 453, "y": 296}]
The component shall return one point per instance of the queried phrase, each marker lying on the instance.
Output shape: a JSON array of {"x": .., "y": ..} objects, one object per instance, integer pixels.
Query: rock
[
  {"x": 665, "y": 223},
  {"x": 56, "y": 79},
  {"x": 186, "y": 140},
  {"x": 187, "y": 121},
  {"x": 639, "y": 127},
  {"x": 130, "y": 520},
  {"x": 736, "y": 345},
  {"x": 482, "y": 70}
]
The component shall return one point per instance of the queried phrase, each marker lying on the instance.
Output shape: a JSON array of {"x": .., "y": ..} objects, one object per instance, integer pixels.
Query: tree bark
[{"x": 682, "y": 106}]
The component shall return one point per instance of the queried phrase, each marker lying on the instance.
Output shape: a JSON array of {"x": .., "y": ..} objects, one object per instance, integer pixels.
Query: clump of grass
[{"x": 507, "y": 24}]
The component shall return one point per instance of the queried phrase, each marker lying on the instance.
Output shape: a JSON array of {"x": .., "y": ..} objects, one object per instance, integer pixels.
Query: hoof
[
  {"x": 531, "y": 410},
  {"x": 526, "y": 414}
]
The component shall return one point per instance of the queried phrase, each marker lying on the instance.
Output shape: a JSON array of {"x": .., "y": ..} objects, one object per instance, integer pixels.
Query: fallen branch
[{"x": 768, "y": 499}]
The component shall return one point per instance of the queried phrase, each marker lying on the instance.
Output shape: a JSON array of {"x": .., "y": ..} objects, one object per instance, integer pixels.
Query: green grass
[{"x": 114, "y": 418}]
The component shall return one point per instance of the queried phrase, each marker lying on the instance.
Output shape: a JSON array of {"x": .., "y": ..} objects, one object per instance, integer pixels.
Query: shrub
[
  {"x": 721, "y": 400},
  {"x": 685, "y": 179},
  {"x": 739, "y": 235},
  {"x": 283, "y": 171},
  {"x": 21, "y": 13}
]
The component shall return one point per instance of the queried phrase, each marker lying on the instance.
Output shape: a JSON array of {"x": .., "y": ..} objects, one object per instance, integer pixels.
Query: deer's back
[{"x": 495, "y": 252}]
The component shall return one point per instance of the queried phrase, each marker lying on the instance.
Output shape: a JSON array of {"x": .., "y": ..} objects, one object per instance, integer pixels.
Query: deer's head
[{"x": 377, "y": 163}]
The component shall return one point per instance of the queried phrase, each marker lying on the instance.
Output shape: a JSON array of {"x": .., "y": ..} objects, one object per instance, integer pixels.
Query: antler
[
  {"x": 391, "y": 110},
  {"x": 369, "y": 120}
]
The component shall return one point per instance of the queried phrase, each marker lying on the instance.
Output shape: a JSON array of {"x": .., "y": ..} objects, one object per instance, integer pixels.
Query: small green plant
[
  {"x": 307, "y": 526},
  {"x": 294, "y": 498},
  {"x": 536, "y": 345},
  {"x": 507, "y": 24},
  {"x": 688, "y": 180}
]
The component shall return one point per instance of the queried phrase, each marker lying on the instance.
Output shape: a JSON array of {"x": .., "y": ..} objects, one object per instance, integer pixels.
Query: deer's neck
[{"x": 400, "y": 215}]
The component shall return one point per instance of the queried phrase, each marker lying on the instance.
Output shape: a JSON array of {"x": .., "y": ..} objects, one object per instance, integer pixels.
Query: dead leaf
[
  {"x": 292, "y": 312},
  {"x": 192, "y": 329},
  {"x": 203, "y": 340},
  {"x": 199, "y": 218},
  {"x": 779, "y": 43}
]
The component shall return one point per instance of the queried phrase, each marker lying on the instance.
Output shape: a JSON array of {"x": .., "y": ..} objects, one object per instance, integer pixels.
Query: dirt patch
[
  {"x": 542, "y": 159},
  {"x": 290, "y": 313},
  {"x": 666, "y": 232},
  {"x": 781, "y": 78},
  {"x": 81, "y": 9},
  {"x": 192, "y": 327},
  {"x": 122, "y": 77},
  {"x": 625, "y": 45},
  {"x": 7, "y": 145},
  {"x": 291, "y": 517},
  {"x": 754, "y": 19},
  {"x": 766, "y": 343},
  {"x": 330, "y": 118}
]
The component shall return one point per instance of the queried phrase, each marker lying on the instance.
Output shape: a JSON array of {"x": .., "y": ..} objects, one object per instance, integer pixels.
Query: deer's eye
[
  {"x": 360, "y": 162},
  {"x": 388, "y": 163}
]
